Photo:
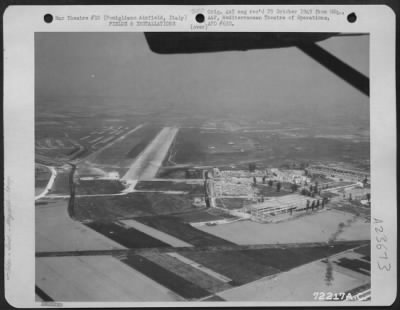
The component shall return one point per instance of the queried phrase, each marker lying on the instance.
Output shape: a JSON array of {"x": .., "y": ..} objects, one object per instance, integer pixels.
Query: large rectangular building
[
  {"x": 279, "y": 208},
  {"x": 337, "y": 172}
]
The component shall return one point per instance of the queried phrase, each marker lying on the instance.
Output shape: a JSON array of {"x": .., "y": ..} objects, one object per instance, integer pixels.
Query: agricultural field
[
  {"x": 287, "y": 258},
  {"x": 205, "y": 146},
  {"x": 206, "y": 279},
  {"x": 203, "y": 216},
  {"x": 165, "y": 277},
  {"x": 56, "y": 231},
  {"x": 97, "y": 278},
  {"x": 61, "y": 184},
  {"x": 201, "y": 147},
  {"x": 321, "y": 226},
  {"x": 247, "y": 265},
  {"x": 194, "y": 188},
  {"x": 159, "y": 235},
  {"x": 240, "y": 268},
  {"x": 42, "y": 176},
  {"x": 179, "y": 172},
  {"x": 96, "y": 186},
  {"x": 128, "y": 237},
  {"x": 232, "y": 203},
  {"x": 131, "y": 205},
  {"x": 297, "y": 284},
  {"x": 173, "y": 226},
  {"x": 364, "y": 250}
]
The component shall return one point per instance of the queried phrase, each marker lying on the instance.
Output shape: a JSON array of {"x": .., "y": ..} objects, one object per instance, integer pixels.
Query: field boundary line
[{"x": 200, "y": 267}]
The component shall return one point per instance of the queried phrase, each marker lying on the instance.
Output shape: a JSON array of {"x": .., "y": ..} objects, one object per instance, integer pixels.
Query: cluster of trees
[
  {"x": 270, "y": 183},
  {"x": 252, "y": 167},
  {"x": 278, "y": 185},
  {"x": 313, "y": 190},
  {"x": 306, "y": 192},
  {"x": 315, "y": 204}
]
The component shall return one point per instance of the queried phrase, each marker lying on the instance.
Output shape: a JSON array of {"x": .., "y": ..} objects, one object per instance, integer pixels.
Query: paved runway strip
[{"x": 150, "y": 160}]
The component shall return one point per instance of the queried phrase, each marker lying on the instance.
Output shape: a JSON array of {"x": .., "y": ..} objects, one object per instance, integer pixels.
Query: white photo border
[{"x": 20, "y": 25}]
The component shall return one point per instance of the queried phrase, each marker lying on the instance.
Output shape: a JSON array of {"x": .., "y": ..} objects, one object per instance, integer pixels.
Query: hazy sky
[{"x": 121, "y": 64}]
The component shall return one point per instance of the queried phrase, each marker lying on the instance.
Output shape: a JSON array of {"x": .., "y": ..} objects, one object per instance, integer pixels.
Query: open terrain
[
  {"x": 56, "y": 231},
  {"x": 136, "y": 204},
  {"x": 298, "y": 284},
  {"x": 318, "y": 227},
  {"x": 96, "y": 279},
  {"x": 221, "y": 147}
]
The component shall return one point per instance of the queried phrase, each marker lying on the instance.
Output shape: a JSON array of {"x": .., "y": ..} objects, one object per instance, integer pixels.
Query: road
[
  {"x": 150, "y": 160},
  {"x": 229, "y": 247},
  {"x": 50, "y": 184}
]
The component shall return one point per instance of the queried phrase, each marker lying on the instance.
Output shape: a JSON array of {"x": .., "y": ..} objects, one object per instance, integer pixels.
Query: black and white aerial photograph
[{"x": 202, "y": 167}]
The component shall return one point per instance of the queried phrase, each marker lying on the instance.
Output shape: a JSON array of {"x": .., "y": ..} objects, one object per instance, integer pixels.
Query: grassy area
[
  {"x": 197, "y": 146},
  {"x": 173, "y": 226},
  {"x": 353, "y": 207},
  {"x": 285, "y": 259},
  {"x": 213, "y": 148},
  {"x": 193, "y": 189},
  {"x": 165, "y": 277},
  {"x": 61, "y": 184},
  {"x": 364, "y": 250},
  {"x": 42, "y": 176},
  {"x": 128, "y": 237},
  {"x": 91, "y": 187},
  {"x": 239, "y": 267},
  {"x": 270, "y": 191},
  {"x": 187, "y": 272},
  {"x": 131, "y": 205},
  {"x": 171, "y": 173},
  {"x": 203, "y": 216},
  {"x": 232, "y": 203},
  {"x": 244, "y": 266}
]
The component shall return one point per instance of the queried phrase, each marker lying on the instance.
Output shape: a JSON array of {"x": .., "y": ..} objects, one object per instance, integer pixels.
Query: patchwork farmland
[{"x": 131, "y": 199}]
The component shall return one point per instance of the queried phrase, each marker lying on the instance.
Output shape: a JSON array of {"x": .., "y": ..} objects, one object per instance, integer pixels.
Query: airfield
[{"x": 120, "y": 213}]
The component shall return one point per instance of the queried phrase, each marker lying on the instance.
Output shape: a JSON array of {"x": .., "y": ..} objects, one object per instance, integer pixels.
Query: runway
[{"x": 150, "y": 160}]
